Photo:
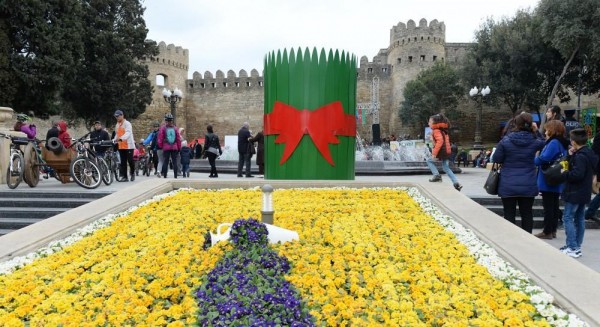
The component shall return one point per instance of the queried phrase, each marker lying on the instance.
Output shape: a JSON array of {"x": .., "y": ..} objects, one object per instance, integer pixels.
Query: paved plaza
[{"x": 471, "y": 178}]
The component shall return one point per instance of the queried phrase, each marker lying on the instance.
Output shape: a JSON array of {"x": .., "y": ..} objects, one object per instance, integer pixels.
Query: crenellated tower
[
  {"x": 169, "y": 68},
  {"x": 412, "y": 49}
]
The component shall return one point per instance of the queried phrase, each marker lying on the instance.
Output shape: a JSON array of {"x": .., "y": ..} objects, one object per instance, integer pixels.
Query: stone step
[
  {"x": 43, "y": 202},
  {"x": 16, "y": 223},
  {"x": 84, "y": 194},
  {"x": 538, "y": 216},
  {"x": 17, "y": 212}
]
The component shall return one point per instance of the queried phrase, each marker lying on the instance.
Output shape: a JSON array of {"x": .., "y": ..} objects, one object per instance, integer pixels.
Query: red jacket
[
  {"x": 440, "y": 138},
  {"x": 63, "y": 136}
]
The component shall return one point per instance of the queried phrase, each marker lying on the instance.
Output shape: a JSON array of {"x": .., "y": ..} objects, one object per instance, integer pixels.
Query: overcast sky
[{"x": 236, "y": 34}]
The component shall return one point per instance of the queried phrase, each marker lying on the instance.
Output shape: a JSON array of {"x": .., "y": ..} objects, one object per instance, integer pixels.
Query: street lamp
[
  {"x": 172, "y": 98},
  {"x": 475, "y": 92}
]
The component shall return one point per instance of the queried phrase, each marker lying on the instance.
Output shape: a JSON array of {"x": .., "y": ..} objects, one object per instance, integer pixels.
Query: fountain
[{"x": 397, "y": 158}]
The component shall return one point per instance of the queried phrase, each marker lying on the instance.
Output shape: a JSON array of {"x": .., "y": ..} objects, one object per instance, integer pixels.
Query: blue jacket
[
  {"x": 582, "y": 167},
  {"x": 516, "y": 152},
  {"x": 555, "y": 148},
  {"x": 186, "y": 155}
]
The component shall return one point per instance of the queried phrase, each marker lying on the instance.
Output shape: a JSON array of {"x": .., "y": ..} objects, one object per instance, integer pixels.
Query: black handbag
[
  {"x": 493, "y": 179},
  {"x": 553, "y": 174}
]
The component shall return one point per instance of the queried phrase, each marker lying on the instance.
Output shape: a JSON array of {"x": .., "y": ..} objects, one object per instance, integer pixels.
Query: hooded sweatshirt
[
  {"x": 440, "y": 138},
  {"x": 63, "y": 135},
  {"x": 582, "y": 167}
]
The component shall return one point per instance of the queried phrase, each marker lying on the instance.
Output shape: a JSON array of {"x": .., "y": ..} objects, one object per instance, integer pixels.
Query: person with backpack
[
  {"x": 441, "y": 149},
  {"x": 152, "y": 141},
  {"x": 169, "y": 140}
]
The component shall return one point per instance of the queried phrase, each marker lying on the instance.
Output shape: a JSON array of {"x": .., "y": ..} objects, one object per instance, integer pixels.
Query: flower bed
[{"x": 365, "y": 257}]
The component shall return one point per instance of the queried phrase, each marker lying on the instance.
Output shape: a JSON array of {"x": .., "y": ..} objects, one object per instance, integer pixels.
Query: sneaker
[
  {"x": 563, "y": 248},
  {"x": 572, "y": 252},
  {"x": 457, "y": 186},
  {"x": 239, "y": 175},
  {"x": 436, "y": 178}
]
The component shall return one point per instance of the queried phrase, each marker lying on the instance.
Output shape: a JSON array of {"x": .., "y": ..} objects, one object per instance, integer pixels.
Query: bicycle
[
  {"x": 16, "y": 165},
  {"x": 107, "y": 174},
  {"x": 84, "y": 168},
  {"x": 112, "y": 160}
]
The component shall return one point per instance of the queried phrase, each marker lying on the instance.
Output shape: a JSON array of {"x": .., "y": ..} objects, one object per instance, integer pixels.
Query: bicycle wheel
[
  {"x": 85, "y": 173},
  {"x": 106, "y": 173},
  {"x": 114, "y": 168},
  {"x": 14, "y": 172},
  {"x": 31, "y": 171}
]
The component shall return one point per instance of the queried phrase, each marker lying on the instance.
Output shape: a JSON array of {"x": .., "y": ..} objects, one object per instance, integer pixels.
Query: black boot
[{"x": 436, "y": 178}]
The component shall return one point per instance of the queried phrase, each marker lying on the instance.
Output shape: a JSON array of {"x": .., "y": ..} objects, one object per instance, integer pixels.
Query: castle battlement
[
  {"x": 402, "y": 34},
  {"x": 171, "y": 55},
  {"x": 220, "y": 80}
]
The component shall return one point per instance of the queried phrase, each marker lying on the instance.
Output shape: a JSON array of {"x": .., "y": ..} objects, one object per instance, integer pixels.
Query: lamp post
[
  {"x": 475, "y": 92},
  {"x": 267, "y": 210},
  {"x": 172, "y": 97}
]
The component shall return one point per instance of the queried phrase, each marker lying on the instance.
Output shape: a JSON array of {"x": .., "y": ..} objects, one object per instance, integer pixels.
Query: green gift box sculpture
[{"x": 309, "y": 120}]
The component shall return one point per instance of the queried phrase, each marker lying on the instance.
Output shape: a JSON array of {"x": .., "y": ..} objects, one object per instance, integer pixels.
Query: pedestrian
[
  {"x": 260, "y": 152},
  {"x": 518, "y": 185},
  {"x": 185, "y": 155},
  {"x": 578, "y": 190},
  {"x": 555, "y": 147},
  {"x": 169, "y": 141},
  {"x": 441, "y": 149},
  {"x": 63, "y": 134},
  {"x": 124, "y": 138},
  {"x": 152, "y": 141},
  {"x": 570, "y": 122},
  {"x": 244, "y": 151},
  {"x": 212, "y": 149},
  {"x": 52, "y": 132},
  {"x": 98, "y": 135},
  {"x": 22, "y": 126},
  {"x": 198, "y": 150},
  {"x": 590, "y": 212}
]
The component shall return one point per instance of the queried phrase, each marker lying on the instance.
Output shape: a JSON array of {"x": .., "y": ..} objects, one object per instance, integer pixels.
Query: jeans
[
  {"x": 244, "y": 159},
  {"x": 550, "y": 201},
  {"x": 171, "y": 154},
  {"x": 185, "y": 169},
  {"x": 593, "y": 207},
  {"x": 574, "y": 220},
  {"x": 445, "y": 167},
  {"x": 525, "y": 209}
]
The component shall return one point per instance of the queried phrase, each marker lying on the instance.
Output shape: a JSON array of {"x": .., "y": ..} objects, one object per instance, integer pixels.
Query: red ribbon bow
[{"x": 322, "y": 124}]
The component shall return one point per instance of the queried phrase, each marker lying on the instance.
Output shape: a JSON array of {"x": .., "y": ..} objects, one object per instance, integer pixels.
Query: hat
[
  {"x": 183, "y": 143},
  {"x": 118, "y": 113},
  {"x": 169, "y": 117},
  {"x": 97, "y": 122},
  {"x": 156, "y": 124}
]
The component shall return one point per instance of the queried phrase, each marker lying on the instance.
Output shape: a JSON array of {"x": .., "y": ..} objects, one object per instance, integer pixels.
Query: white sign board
[{"x": 231, "y": 142}]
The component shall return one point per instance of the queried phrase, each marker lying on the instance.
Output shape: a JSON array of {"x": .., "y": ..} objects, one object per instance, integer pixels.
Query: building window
[
  {"x": 213, "y": 85},
  {"x": 202, "y": 85},
  {"x": 248, "y": 84},
  {"x": 369, "y": 70},
  {"x": 415, "y": 39},
  {"x": 260, "y": 83},
  {"x": 161, "y": 80},
  {"x": 434, "y": 58},
  {"x": 422, "y": 57},
  {"x": 224, "y": 84},
  {"x": 421, "y": 38},
  {"x": 191, "y": 85},
  {"x": 237, "y": 84},
  {"x": 384, "y": 69},
  {"x": 399, "y": 60},
  {"x": 409, "y": 58}
]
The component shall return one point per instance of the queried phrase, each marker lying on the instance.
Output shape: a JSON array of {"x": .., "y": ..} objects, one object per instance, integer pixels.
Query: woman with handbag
[
  {"x": 517, "y": 185},
  {"x": 556, "y": 147},
  {"x": 212, "y": 149}
]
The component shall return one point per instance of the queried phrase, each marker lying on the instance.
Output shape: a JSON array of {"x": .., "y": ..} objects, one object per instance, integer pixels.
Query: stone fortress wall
[{"x": 228, "y": 100}]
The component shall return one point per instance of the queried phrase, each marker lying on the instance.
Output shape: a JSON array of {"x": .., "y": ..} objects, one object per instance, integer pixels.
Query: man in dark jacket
[
  {"x": 590, "y": 212},
  {"x": 52, "y": 132},
  {"x": 577, "y": 191},
  {"x": 243, "y": 150},
  {"x": 98, "y": 135}
]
